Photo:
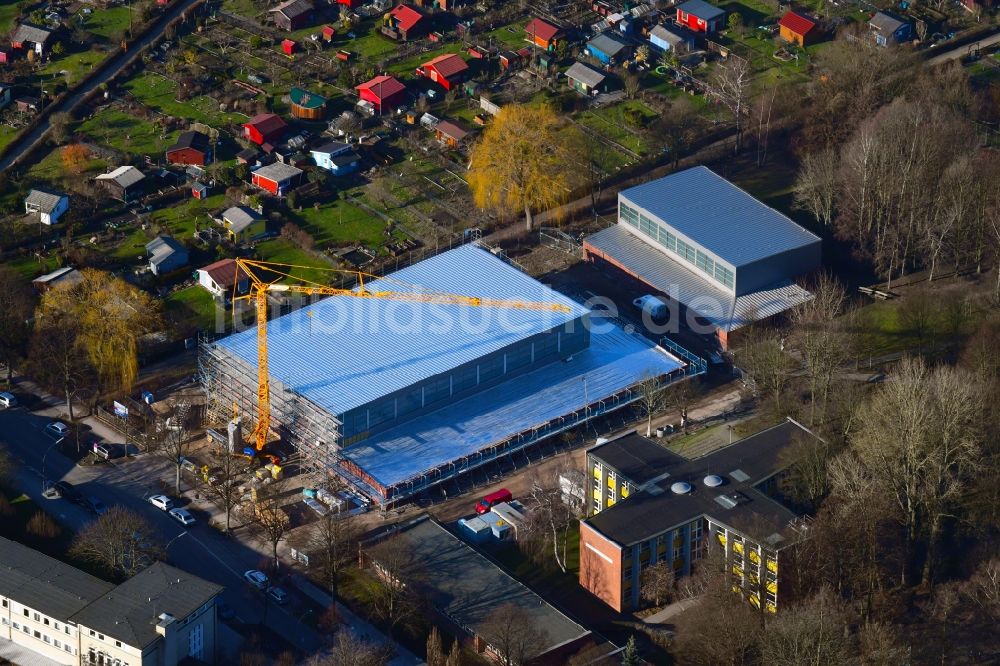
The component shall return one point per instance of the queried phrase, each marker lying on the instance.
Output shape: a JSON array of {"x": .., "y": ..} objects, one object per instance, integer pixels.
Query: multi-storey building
[
  {"x": 649, "y": 505},
  {"x": 159, "y": 617}
]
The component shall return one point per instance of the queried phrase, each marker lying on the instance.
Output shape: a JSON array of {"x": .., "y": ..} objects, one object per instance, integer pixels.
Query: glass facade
[{"x": 660, "y": 234}]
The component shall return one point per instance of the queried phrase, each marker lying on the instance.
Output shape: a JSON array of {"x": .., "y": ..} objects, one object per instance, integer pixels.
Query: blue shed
[{"x": 607, "y": 48}]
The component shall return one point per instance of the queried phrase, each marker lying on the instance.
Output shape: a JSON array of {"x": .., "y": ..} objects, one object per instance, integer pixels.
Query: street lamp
[
  {"x": 53, "y": 445},
  {"x": 167, "y": 547}
]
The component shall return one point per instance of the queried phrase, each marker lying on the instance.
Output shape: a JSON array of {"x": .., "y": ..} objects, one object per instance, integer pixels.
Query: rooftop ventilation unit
[
  {"x": 739, "y": 475},
  {"x": 732, "y": 500},
  {"x": 712, "y": 480},
  {"x": 681, "y": 488}
]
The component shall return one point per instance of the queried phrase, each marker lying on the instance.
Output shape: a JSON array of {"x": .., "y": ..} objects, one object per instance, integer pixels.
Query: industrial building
[
  {"x": 702, "y": 241},
  {"x": 650, "y": 505},
  {"x": 396, "y": 397}
]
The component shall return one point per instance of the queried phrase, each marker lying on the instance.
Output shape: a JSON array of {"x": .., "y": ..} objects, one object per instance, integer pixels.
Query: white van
[{"x": 654, "y": 305}]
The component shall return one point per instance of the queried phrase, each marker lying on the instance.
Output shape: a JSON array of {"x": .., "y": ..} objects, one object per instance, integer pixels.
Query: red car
[{"x": 484, "y": 505}]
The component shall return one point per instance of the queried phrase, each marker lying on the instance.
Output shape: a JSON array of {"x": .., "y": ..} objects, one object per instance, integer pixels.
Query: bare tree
[
  {"x": 174, "y": 442},
  {"x": 332, "y": 540},
  {"x": 881, "y": 646},
  {"x": 632, "y": 84},
  {"x": 658, "y": 582},
  {"x": 349, "y": 650},
  {"x": 816, "y": 186},
  {"x": 652, "y": 399},
  {"x": 731, "y": 86},
  {"x": 764, "y": 363},
  {"x": 393, "y": 595},
  {"x": 120, "y": 541},
  {"x": 513, "y": 636},
  {"x": 919, "y": 439},
  {"x": 984, "y": 587},
  {"x": 222, "y": 483},
  {"x": 269, "y": 522},
  {"x": 819, "y": 338},
  {"x": 550, "y": 519},
  {"x": 814, "y": 632}
]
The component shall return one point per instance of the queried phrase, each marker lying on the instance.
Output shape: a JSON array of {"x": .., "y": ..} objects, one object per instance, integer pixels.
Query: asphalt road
[
  {"x": 107, "y": 70},
  {"x": 200, "y": 549}
]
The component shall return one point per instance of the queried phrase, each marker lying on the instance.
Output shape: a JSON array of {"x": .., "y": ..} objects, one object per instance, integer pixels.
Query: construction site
[{"x": 416, "y": 378}]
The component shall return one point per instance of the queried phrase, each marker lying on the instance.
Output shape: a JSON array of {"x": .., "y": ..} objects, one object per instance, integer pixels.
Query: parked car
[
  {"x": 51, "y": 492},
  {"x": 161, "y": 502},
  {"x": 57, "y": 429},
  {"x": 7, "y": 400},
  {"x": 96, "y": 506},
  {"x": 68, "y": 491},
  {"x": 257, "y": 578},
  {"x": 484, "y": 505},
  {"x": 182, "y": 516},
  {"x": 278, "y": 596}
]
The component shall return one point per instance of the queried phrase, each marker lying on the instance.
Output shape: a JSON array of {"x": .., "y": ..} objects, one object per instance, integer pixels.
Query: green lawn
[
  {"x": 368, "y": 42},
  {"x": 50, "y": 168},
  {"x": 192, "y": 306},
  {"x": 7, "y": 134},
  {"x": 8, "y": 12},
  {"x": 341, "y": 223},
  {"x": 132, "y": 249},
  {"x": 159, "y": 93},
  {"x": 30, "y": 267},
  {"x": 408, "y": 65},
  {"x": 182, "y": 219},
  {"x": 511, "y": 35},
  {"x": 76, "y": 65},
  {"x": 611, "y": 122},
  {"x": 123, "y": 131},
  {"x": 281, "y": 251},
  {"x": 111, "y": 22}
]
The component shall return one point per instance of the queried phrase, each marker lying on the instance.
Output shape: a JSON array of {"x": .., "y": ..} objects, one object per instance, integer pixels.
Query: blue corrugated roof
[
  {"x": 343, "y": 352},
  {"x": 614, "y": 361},
  {"x": 719, "y": 216}
]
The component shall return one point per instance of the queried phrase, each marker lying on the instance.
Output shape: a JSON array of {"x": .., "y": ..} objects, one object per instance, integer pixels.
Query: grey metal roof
[
  {"x": 886, "y": 23},
  {"x": 719, "y": 216},
  {"x": 607, "y": 43},
  {"x": 278, "y": 171},
  {"x": 671, "y": 34},
  {"x": 658, "y": 269},
  {"x": 30, "y": 33},
  {"x": 345, "y": 159},
  {"x": 701, "y": 9},
  {"x": 585, "y": 74},
  {"x": 163, "y": 247},
  {"x": 45, "y": 584},
  {"x": 240, "y": 217},
  {"x": 648, "y": 513},
  {"x": 362, "y": 349},
  {"x": 293, "y": 8},
  {"x": 130, "y": 612},
  {"x": 467, "y": 587},
  {"x": 331, "y": 148},
  {"x": 46, "y": 201},
  {"x": 125, "y": 176}
]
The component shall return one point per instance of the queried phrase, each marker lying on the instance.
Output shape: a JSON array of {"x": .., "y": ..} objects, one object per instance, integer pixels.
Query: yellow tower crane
[{"x": 268, "y": 277}]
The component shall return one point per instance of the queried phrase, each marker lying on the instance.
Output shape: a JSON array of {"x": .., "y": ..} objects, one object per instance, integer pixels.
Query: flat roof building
[
  {"x": 649, "y": 505},
  {"x": 398, "y": 396},
  {"x": 707, "y": 244},
  {"x": 465, "y": 588}
]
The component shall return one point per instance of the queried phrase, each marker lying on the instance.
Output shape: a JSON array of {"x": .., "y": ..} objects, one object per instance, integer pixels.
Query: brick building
[{"x": 649, "y": 505}]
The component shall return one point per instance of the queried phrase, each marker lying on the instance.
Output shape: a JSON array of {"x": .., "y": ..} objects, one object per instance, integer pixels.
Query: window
[
  {"x": 100, "y": 636},
  {"x": 17, "y": 626},
  {"x": 92, "y": 633},
  {"x": 627, "y": 573},
  {"x": 45, "y": 621},
  {"x": 3, "y": 621},
  {"x": 68, "y": 648},
  {"x": 26, "y": 629},
  {"x": 118, "y": 644},
  {"x": 57, "y": 643},
  {"x": 647, "y": 226},
  {"x": 36, "y": 617},
  {"x": 703, "y": 262},
  {"x": 26, "y": 613},
  {"x": 518, "y": 358},
  {"x": 38, "y": 634},
  {"x": 5, "y": 603},
  {"x": 628, "y": 215},
  {"x": 667, "y": 239},
  {"x": 66, "y": 628},
  {"x": 55, "y": 625},
  {"x": 46, "y": 638}
]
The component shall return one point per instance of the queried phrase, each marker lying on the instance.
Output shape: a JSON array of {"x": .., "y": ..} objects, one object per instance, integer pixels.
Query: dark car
[{"x": 68, "y": 491}]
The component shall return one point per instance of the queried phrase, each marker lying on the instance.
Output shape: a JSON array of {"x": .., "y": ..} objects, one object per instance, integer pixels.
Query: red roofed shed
[
  {"x": 265, "y": 128},
  {"x": 542, "y": 34},
  {"x": 404, "y": 22},
  {"x": 797, "y": 28},
  {"x": 447, "y": 70},
  {"x": 288, "y": 46},
  {"x": 385, "y": 92}
]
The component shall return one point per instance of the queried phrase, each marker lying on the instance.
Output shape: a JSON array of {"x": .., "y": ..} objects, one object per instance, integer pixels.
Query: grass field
[
  {"x": 193, "y": 306},
  {"x": 182, "y": 219},
  {"x": 122, "y": 131},
  {"x": 50, "y": 168},
  {"x": 160, "y": 93},
  {"x": 511, "y": 35},
  {"x": 281, "y": 251},
  {"x": 76, "y": 65},
  {"x": 367, "y": 42},
  {"x": 111, "y": 22},
  {"x": 8, "y": 12},
  {"x": 7, "y": 134},
  {"x": 30, "y": 267},
  {"x": 340, "y": 223},
  {"x": 409, "y": 64}
]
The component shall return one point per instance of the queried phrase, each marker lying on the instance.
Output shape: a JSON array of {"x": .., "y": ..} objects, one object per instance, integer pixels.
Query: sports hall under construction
[{"x": 395, "y": 397}]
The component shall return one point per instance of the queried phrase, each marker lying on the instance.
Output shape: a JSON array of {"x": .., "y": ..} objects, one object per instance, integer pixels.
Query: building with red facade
[
  {"x": 383, "y": 92},
  {"x": 700, "y": 16},
  {"x": 279, "y": 179},
  {"x": 446, "y": 70},
  {"x": 264, "y": 128},
  {"x": 191, "y": 148}
]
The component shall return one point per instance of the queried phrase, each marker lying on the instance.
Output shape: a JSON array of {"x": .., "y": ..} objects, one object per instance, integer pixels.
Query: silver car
[{"x": 7, "y": 400}]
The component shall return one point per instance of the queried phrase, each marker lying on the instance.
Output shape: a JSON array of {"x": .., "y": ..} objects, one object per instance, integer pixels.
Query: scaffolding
[{"x": 311, "y": 430}]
